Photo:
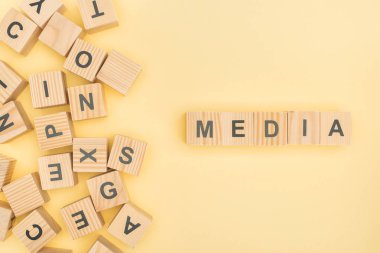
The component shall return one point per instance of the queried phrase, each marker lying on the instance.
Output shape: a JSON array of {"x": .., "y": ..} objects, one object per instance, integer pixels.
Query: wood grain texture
[
  {"x": 94, "y": 95},
  {"x": 22, "y": 40},
  {"x": 13, "y": 120},
  {"x": 41, "y": 16},
  {"x": 327, "y": 124},
  {"x": 95, "y": 21},
  {"x": 227, "y": 128},
  {"x": 90, "y": 154},
  {"x": 94, "y": 219},
  {"x": 102, "y": 245},
  {"x": 60, "y": 34},
  {"x": 127, "y": 155},
  {"x": 119, "y": 72},
  {"x": 11, "y": 83},
  {"x": 135, "y": 216},
  {"x": 84, "y": 51},
  {"x": 7, "y": 166},
  {"x": 61, "y": 123},
  {"x": 49, "y": 229},
  {"x": 54, "y": 250},
  {"x": 107, "y": 191},
  {"x": 25, "y": 194},
  {"x": 303, "y": 128},
  {"x": 49, "y": 166},
  {"x": 48, "y": 89},
  {"x": 6, "y": 218}
]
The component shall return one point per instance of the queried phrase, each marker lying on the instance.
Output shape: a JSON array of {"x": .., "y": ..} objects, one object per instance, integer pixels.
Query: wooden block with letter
[
  {"x": 6, "y": 218},
  {"x": 90, "y": 154},
  {"x": 119, "y": 72},
  {"x": 18, "y": 32},
  {"x": 97, "y": 14},
  {"x": 204, "y": 128},
  {"x": 54, "y": 250},
  {"x": 60, "y": 34},
  {"x": 236, "y": 128},
  {"x": 48, "y": 89},
  {"x": 81, "y": 218},
  {"x": 54, "y": 131},
  {"x": 40, "y": 11},
  {"x": 13, "y": 121},
  {"x": 336, "y": 128},
  {"x": 11, "y": 83},
  {"x": 303, "y": 128},
  {"x": 102, "y": 245},
  {"x": 36, "y": 230},
  {"x": 107, "y": 191},
  {"x": 130, "y": 224},
  {"x": 87, "y": 102},
  {"x": 7, "y": 166},
  {"x": 85, "y": 60},
  {"x": 25, "y": 194},
  {"x": 56, "y": 171},
  {"x": 271, "y": 128},
  {"x": 127, "y": 155}
]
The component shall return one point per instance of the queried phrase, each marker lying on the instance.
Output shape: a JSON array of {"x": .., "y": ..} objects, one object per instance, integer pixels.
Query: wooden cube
[
  {"x": 271, "y": 128},
  {"x": 130, "y": 224},
  {"x": 18, "y": 32},
  {"x": 54, "y": 131},
  {"x": 85, "y": 60},
  {"x": 40, "y": 11},
  {"x": 54, "y": 250},
  {"x": 336, "y": 128},
  {"x": 107, "y": 191},
  {"x": 97, "y": 14},
  {"x": 13, "y": 121},
  {"x": 25, "y": 194},
  {"x": 119, "y": 72},
  {"x": 6, "y": 218},
  {"x": 90, "y": 154},
  {"x": 237, "y": 128},
  {"x": 56, "y": 171},
  {"x": 7, "y": 166},
  {"x": 36, "y": 230},
  {"x": 11, "y": 83},
  {"x": 204, "y": 128},
  {"x": 48, "y": 89},
  {"x": 303, "y": 128},
  {"x": 127, "y": 155},
  {"x": 87, "y": 102},
  {"x": 81, "y": 218},
  {"x": 102, "y": 245},
  {"x": 60, "y": 34}
]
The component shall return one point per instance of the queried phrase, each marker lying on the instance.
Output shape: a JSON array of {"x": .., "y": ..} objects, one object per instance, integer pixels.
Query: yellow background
[{"x": 243, "y": 55}]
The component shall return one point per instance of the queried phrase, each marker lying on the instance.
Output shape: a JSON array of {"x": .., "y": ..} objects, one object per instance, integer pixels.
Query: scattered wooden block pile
[
  {"x": 268, "y": 128},
  {"x": 27, "y": 195}
]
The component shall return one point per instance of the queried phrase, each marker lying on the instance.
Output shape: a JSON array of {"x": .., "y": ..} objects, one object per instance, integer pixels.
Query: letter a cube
[
  {"x": 336, "y": 128},
  {"x": 107, "y": 191},
  {"x": 130, "y": 224},
  {"x": 36, "y": 230},
  {"x": 81, "y": 218}
]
